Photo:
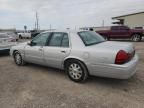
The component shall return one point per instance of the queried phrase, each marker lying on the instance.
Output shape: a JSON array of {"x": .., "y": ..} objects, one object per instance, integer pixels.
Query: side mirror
[{"x": 31, "y": 43}]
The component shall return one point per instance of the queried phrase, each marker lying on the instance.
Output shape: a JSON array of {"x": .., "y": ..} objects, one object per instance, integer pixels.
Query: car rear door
[
  {"x": 119, "y": 32},
  {"x": 34, "y": 52},
  {"x": 114, "y": 33},
  {"x": 124, "y": 32},
  {"x": 58, "y": 48}
]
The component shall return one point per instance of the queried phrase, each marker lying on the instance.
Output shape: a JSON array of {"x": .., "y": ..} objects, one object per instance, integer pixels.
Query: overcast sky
[{"x": 64, "y": 13}]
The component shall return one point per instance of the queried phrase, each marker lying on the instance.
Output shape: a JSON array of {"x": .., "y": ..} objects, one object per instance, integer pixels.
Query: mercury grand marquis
[{"x": 79, "y": 53}]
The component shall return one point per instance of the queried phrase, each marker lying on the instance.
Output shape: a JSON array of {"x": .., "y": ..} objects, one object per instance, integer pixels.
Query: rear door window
[
  {"x": 65, "y": 41},
  {"x": 114, "y": 28},
  {"x": 56, "y": 39},
  {"x": 123, "y": 28},
  {"x": 59, "y": 39}
]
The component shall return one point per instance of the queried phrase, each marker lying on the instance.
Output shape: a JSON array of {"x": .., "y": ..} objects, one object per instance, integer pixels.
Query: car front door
[
  {"x": 34, "y": 51},
  {"x": 58, "y": 48}
]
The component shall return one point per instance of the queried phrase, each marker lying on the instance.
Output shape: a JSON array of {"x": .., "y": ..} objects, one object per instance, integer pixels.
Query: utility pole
[
  {"x": 37, "y": 21},
  {"x": 35, "y": 25},
  {"x": 50, "y": 27},
  {"x": 75, "y": 27},
  {"x": 103, "y": 23}
]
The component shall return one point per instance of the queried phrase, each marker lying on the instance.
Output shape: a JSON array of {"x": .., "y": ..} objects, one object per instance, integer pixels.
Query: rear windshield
[{"x": 90, "y": 37}]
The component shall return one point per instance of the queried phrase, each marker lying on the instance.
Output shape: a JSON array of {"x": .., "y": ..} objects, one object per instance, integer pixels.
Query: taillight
[
  {"x": 122, "y": 57},
  {"x": 12, "y": 40}
]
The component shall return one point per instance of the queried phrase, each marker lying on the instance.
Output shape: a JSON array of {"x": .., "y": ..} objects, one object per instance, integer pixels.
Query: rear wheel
[
  {"x": 106, "y": 38},
  {"x": 18, "y": 59},
  {"x": 136, "y": 37},
  {"x": 20, "y": 36},
  {"x": 76, "y": 71}
]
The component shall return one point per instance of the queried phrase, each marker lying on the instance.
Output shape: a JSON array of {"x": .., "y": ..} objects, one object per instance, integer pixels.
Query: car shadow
[
  {"x": 121, "y": 84},
  {"x": 4, "y": 54},
  {"x": 125, "y": 85},
  {"x": 48, "y": 69},
  {"x": 124, "y": 40}
]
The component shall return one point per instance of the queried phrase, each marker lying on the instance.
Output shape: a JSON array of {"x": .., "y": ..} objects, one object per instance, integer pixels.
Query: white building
[
  {"x": 134, "y": 20},
  {"x": 8, "y": 30}
]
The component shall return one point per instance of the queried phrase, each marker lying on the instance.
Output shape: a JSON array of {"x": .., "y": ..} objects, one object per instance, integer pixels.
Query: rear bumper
[
  {"x": 4, "y": 51},
  {"x": 124, "y": 71},
  {"x": 6, "y": 48}
]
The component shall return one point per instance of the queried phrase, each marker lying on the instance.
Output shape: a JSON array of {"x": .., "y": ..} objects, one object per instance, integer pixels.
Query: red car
[{"x": 120, "y": 32}]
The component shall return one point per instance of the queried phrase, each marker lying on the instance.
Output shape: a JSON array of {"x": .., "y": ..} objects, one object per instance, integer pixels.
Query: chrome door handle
[{"x": 63, "y": 51}]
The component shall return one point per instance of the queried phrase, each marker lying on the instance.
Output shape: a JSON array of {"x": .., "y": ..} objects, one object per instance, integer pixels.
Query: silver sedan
[
  {"x": 6, "y": 42},
  {"x": 79, "y": 53}
]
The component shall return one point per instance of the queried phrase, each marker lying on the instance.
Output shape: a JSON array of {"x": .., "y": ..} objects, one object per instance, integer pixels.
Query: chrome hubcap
[
  {"x": 18, "y": 58},
  {"x": 75, "y": 71}
]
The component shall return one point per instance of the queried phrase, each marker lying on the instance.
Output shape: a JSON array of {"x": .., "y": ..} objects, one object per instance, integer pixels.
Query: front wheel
[
  {"x": 20, "y": 36},
  {"x": 76, "y": 71},
  {"x": 18, "y": 59},
  {"x": 136, "y": 37}
]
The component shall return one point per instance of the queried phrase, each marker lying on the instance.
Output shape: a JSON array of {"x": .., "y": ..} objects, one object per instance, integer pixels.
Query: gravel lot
[{"x": 34, "y": 86}]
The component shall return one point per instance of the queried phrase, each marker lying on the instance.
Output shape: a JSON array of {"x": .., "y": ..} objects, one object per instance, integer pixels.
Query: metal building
[{"x": 134, "y": 20}]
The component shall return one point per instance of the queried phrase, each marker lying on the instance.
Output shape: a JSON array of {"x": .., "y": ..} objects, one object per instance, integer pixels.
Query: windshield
[{"x": 90, "y": 37}]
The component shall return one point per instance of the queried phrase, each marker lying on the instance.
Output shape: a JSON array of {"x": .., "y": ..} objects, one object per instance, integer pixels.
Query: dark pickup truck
[{"x": 120, "y": 32}]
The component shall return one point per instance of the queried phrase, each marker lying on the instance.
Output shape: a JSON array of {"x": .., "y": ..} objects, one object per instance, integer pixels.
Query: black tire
[
  {"x": 18, "y": 59},
  {"x": 136, "y": 37},
  {"x": 79, "y": 75},
  {"x": 20, "y": 36},
  {"x": 106, "y": 38}
]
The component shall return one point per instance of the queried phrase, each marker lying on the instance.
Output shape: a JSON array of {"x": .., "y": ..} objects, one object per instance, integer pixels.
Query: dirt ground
[{"x": 33, "y": 86}]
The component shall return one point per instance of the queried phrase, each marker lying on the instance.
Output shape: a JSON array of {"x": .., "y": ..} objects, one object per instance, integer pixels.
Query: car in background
[
  {"x": 13, "y": 34},
  {"x": 24, "y": 35},
  {"x": 34, "y": 33},
  {"x": 120, "y": 32},
  {"x": 6, "y": 42},
  {"x": 79, "y": 53}
]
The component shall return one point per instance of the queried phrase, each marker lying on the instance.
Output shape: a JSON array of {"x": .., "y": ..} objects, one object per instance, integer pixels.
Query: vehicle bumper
[
  {"x": 4, "y": 51},
  {"x": 124, "y": 71},
  {"x": 6, "y": 48}
]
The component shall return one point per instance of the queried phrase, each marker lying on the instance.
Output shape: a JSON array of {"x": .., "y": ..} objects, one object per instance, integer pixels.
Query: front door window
[{"x": 40, "y": 40}]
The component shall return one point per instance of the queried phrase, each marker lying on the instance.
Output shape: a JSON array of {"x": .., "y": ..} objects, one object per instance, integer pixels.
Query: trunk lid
[
  {"x": 106, "y": 52},
  {"x": 115, "y": 46}
]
